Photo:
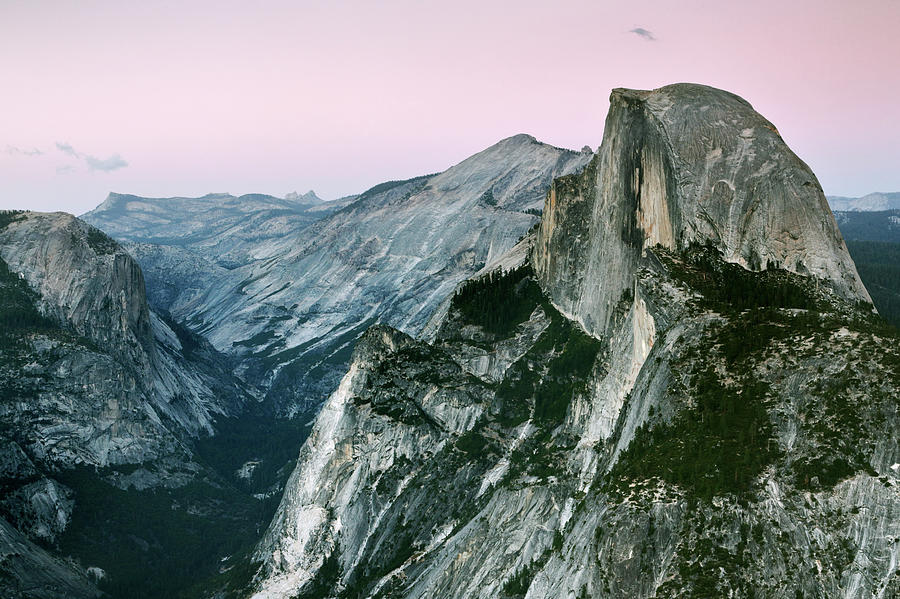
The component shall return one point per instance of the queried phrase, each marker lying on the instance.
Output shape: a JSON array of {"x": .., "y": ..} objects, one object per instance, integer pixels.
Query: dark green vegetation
[
  {"x": 487, "y": 198},
  {"x": 157, "y": 542},
  {"x": 18, "y": 306},
  {"x": 10, "y": 216},
  {"x": 389, "y": 185},
  {"x": 499, "y": 301},
  {"x": 728, "y": 287},
  {"x": 324, "y": 580},
  {"x": 878, "y": 264},
  {"x": 100, "y": 242},
  {"x": 18, "y": 309},
  {"x": 718, "y": 446},
  {"x": 870, "y": 226},
  {"x": 257, "y": 435},
  {"x": 543, "y": 382},
  {"x": 517, "y": 586},
  {"x": 721, "y": 438},
  {"x": 170, "y": 542}
]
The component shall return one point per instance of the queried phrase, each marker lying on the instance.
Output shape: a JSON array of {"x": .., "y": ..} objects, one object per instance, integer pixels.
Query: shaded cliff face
[
  {"x": 679, "y": 165},
  {"x": 635, "y": 413}
]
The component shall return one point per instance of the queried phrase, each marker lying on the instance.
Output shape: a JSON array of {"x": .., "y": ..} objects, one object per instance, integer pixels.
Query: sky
[{"x": 186, "y": 98}]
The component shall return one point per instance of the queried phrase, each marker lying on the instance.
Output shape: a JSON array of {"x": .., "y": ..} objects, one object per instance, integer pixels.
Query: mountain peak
[
  {"x": 681, "y": 165},
  {"x": 681, "y": 93},
  {"x": 309, "y": 197},
  {"x": 520, "y": 138}
]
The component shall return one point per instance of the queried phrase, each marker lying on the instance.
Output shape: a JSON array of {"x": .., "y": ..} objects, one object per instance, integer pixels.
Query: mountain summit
[{"x": 685, "y": 164}]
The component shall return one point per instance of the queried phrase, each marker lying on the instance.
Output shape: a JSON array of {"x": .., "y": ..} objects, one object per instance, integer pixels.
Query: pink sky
[{"x": 273, "y": 97}]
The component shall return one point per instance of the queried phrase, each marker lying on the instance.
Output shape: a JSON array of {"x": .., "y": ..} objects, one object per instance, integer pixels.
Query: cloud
[
  {"x": 65, "y": 169},
  {"x": 108, "y": 164},
  {"x": 644, "y": 33},
  {"x": 95, "y": 164},
  {"x": 13, "y": 150},
  {"x": 67, "y": 149}
]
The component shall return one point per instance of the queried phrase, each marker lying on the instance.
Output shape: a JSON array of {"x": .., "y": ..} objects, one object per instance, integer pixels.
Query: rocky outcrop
[
  {"x": 41, "y": 510},
  {"x": 684, "y": 397},
  {"x": 83, "y": 278},
  {"x": 96, "y": 390}
]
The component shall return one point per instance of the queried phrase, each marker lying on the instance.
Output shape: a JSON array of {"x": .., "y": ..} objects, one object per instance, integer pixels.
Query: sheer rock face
[
  {"x": 679, "y": 165},
  {"x": 84, "y": 279},
  {"x": 396, "y": 408},
  {"x": 89, "y": 376},
  {"x": 27, "y": 570}
]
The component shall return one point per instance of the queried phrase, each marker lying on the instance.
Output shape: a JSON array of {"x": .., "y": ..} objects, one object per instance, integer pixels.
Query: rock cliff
[{"x": 123, "y": 387}]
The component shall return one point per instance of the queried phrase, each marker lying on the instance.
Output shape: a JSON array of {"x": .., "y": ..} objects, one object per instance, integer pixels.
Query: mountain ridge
[
  {"x": 875, "y": 201},
  {"x": 291, "y": 305}
]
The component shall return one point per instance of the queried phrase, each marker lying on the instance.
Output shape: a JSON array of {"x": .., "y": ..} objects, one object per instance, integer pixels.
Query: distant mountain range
[{"x": 866, "y": 203}]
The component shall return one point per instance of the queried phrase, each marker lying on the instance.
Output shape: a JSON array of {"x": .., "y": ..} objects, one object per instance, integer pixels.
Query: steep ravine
[{"x": 677, "y": 387}]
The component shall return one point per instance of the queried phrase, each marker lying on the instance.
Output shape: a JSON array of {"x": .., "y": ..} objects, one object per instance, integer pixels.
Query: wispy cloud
[
  {"x": 14, "y": 151},
  {"x": 644, "y": 33},
  {"x": 106, "y": 165},
  {"x": 67, "y": 148},
  {"x": 65, "y": 169}
]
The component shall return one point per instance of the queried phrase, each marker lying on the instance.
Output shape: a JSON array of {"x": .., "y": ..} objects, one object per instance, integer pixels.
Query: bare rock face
[
  {"x": 84, "y": 278},
  {"x": 41, "y": 509},
  {"x": 96, "y": 390},
  {"x": 684, "y": 164}
]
